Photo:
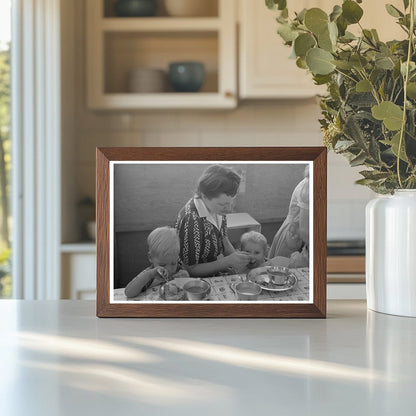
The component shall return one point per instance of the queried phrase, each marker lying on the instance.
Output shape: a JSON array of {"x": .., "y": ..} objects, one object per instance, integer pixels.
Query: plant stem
[{"x": 405, "y": 81}]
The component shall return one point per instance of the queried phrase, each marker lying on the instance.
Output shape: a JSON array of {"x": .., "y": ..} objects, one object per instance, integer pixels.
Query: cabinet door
[
  {"x": 78, "y": 276},
  {"x": 266, "y": 71}
]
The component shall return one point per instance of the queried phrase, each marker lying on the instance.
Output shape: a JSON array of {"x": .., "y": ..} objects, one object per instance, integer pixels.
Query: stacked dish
[{"x": 147, "y": 80}]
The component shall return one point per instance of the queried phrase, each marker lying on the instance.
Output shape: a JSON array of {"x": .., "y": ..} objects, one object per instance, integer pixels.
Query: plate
[{"x": 264, "y": 281}]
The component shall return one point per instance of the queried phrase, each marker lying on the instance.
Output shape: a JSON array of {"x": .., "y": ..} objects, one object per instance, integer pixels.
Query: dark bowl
[
  {"x": 186, "y": 76},
  {"x": 135, "y": 8}
]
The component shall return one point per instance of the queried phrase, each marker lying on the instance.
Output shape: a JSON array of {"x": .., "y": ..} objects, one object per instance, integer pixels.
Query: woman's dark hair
[{"x": 217, "y": 180}]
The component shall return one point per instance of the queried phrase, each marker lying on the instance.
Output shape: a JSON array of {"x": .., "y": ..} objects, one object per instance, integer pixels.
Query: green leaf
[
  {"x": 394, "y": 143},
  {"x": 391, "y": 114},
  {"x": 325, "y": 42},
  {"x": 368, "y": 36},
  {"x": 342, "y": 25},
  {"x": 353, "y": 131},
  {"x": 351, "y": 11},
  {"x": 301, "y": 63},
  {"x": 384, "y": 62},
  {"x": 393, "y": 11},
  {"x": 321, "y": 79},
  {"x": 316, "y": 20},
  {"x": 343, "y": 145},
  {"x": 411, "y": 90},
  {"x": 347, "y": 37},
  {"x": 375, "y": 35},
  {"x": 276, "y": 4},
  {"x": 303, "y": 43},
  {"x": 412, "y": 67},
  {"x": 319, "y": 61},
  {"x": 301, "y": 15},
  {"x": 406, "y": 4},
  {"x": 358, "y": 160},
  {"x": 358, "y": 61},
  {"x": 374, "y": 174},
  {"x": 333, "y": 32},
  {"x": 336, "y": 12},
  {"x": 287, "y": 33},
  {"x": 345, "y": 65},
  {"x": 363, "y": 86}
]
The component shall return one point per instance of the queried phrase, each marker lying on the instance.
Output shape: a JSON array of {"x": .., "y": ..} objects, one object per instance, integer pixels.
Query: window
[{"x": 5, "y": 147}]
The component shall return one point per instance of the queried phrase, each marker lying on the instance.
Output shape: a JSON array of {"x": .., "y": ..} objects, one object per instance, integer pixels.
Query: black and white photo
[{"x": 211, "y": 231}]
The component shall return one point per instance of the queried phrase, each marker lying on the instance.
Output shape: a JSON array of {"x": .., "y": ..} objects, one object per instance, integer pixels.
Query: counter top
[{"x": 57, "y": 358}]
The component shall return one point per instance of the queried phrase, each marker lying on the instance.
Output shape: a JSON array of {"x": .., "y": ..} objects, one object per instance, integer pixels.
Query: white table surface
[{"x": 57, "y": 358}]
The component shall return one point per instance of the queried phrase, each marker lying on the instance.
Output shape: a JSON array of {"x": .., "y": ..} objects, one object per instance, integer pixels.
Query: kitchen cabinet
[
  {"x": 78, "y": 262},
  {"x": 118, "y": 45},
  {"x": 265, "y": 70}
]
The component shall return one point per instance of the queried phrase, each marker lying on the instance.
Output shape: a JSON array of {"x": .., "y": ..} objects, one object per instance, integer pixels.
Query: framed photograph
[{"x": 211, "y": 232}]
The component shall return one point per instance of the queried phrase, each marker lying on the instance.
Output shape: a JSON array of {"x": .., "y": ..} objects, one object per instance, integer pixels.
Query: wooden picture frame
[{"x": 124, "y": 183}]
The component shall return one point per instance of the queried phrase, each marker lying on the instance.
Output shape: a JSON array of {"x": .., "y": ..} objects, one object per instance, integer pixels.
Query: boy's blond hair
[
  {"x": 254, "y": 237},
  {"x": 163, "y": 241}
]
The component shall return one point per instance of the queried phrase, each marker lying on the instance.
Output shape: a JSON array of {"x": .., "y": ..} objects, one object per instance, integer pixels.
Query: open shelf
[{"x": 118, "y": 45}]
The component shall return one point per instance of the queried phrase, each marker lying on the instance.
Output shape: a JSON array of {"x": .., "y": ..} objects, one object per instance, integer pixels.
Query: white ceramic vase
[{"x": 391, "y": 253}]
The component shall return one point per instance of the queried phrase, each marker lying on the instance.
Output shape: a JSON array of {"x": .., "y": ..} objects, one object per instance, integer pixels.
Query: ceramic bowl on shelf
[
  {"x": 135, "y": 8},
  {"x": 186, "y": 76},
  {"x": 191, "y": 8},
  {"x": 147, "y": 80}
]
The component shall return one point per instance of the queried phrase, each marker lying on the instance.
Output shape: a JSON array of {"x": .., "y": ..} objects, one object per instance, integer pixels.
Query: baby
[
  {"x": 163, "y": 244},
  {"x": 254, "y": 244}
]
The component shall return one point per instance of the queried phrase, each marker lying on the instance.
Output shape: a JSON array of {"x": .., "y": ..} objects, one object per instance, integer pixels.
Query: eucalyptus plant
[{"x": 369, "y": 111}]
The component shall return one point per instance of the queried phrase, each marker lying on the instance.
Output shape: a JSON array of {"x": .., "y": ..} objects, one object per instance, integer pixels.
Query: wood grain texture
[
  {"x": 346, "y": 264},
  {"x": 317, "y": 309}
]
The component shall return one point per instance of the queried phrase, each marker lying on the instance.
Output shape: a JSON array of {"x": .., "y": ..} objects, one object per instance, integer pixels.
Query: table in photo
[{"x": 221, "y": 290}]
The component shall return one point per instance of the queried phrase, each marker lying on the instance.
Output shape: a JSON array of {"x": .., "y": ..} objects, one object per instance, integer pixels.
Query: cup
[
  {"x": 247, "y": 290},
  {"x": 196, "y": 289},
  {"x": 278, "y": 275}
]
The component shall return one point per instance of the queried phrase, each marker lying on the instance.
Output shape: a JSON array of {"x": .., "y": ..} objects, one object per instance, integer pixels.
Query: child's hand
[
  {"x": 181, "y": 273},
  {"x": 253, "y": 273},
  {"x": 163, "y": 273}
]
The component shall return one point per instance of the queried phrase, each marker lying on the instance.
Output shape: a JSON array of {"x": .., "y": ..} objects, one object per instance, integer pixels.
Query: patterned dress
[{"x": 201, "y": 241}]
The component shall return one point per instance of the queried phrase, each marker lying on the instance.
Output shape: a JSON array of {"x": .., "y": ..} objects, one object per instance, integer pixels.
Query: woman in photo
[
  {"x": 202, "y": 225},
  {"x": 288, "y": 238}
]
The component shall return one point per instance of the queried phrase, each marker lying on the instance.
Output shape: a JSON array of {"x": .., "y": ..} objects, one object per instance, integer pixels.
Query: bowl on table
[
  {"x": 171, "y": 291},
  {"x": 196, "y": 289},
  {"x": 247, "y": 290},
  {"x": 186, "y": 76},
  {"x": 278, "y": 275}
]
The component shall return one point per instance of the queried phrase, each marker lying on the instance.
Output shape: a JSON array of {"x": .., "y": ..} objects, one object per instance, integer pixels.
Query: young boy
[{"x": 163, "y": 244}]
